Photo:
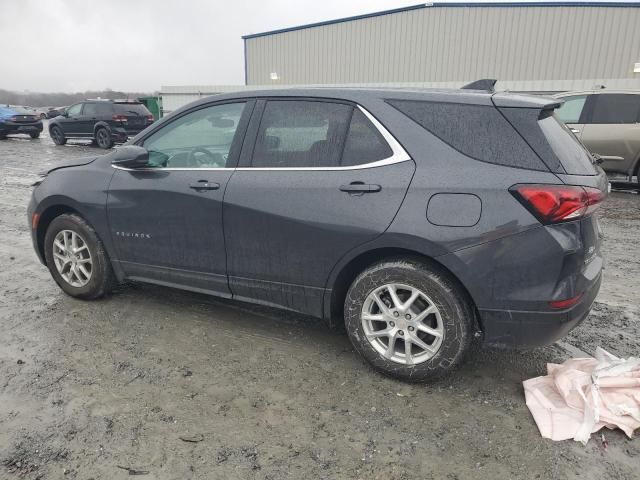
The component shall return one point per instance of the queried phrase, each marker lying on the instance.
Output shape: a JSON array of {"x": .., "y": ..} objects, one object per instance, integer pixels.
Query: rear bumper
[
  {"x": 121, "y": 134},
  {"x": 526, "y": 329},
  {"x": 7, "y": 128}
]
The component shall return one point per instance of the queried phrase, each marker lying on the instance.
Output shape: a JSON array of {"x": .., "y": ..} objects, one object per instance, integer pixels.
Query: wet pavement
[{"x": 175, "y": 385}]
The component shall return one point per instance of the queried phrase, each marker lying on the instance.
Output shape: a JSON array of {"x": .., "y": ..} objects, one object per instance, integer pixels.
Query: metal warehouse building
[
  {"x": 543, "y": 47},
  {"x": 530, "y": 47}
]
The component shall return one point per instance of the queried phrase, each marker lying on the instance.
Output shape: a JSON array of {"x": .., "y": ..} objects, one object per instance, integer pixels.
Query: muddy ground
[{"x": 175, "y": 385}]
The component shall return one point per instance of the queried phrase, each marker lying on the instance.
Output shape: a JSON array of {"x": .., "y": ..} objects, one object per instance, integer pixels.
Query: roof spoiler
[{"x": 486, "y": 84}]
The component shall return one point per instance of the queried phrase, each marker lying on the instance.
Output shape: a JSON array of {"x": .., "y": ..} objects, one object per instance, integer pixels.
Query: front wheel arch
[{"x": 45, "y": 219}]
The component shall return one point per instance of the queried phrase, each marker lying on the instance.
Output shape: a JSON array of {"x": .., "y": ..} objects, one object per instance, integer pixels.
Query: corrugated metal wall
[
  {"x": 174, "y": 96},
  {"x": 526, "y": 48}
]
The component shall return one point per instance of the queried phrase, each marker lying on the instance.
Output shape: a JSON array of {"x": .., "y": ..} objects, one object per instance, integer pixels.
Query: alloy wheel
[
  {"x": 102, "y": 139},
  {"x": 402, "y": 324},
  {"x": 72, "y": 258}
]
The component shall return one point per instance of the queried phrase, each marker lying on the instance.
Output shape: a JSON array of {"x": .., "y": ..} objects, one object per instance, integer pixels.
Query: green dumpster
[{"x": 154, "y": 104}]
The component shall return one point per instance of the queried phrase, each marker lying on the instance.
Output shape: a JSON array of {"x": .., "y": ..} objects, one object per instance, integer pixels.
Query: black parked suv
[
  {"x": 106, "y": 122},
  {"x": 419, "y": 218}
]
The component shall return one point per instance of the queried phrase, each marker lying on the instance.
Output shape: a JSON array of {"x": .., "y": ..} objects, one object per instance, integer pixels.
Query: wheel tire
[
  {"x": 103, "y": 138},
  {"x": 43, "y": 116},
  {"x": 456, "y": 316},
  {"x": 57, "y": 135},
  {"x": 34, "y": 134},
  {"x": 102, "y": 279}
]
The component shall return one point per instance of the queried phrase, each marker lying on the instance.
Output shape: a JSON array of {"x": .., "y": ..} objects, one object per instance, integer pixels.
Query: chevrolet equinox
[{"x": 421, "y": 219}]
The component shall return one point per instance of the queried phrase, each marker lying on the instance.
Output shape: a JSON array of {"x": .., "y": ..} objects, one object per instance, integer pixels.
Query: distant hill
[{"x": 39, "y": 99}]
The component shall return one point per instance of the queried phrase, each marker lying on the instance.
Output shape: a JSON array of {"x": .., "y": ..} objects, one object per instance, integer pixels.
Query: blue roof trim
[{"x": 440, "y": 5}]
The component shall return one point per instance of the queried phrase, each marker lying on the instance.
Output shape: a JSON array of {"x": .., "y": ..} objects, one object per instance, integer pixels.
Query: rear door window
[
  {"x": 571, "y": 109},
  {"x": 95, "y": 109},
  {"x": 365, "y": 144},
  {"x": 301, "y": 134},
  {"x": 616, "y": 108}
]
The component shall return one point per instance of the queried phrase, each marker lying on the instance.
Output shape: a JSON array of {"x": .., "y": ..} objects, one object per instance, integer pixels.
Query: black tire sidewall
[
  {"x": 109, "y": 139},
  {"x": 454, "y": 309},
  {"x": 101, "y": 276},
  {"x": 34, "y": 135},
  {"x": 58, "y": 138}
]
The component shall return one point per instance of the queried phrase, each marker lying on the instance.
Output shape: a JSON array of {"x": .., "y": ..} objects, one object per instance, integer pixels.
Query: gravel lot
[{"x": 175, "y": 385}]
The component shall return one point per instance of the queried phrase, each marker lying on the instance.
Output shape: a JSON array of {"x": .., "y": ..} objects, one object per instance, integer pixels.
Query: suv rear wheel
[
  {"x": 408, "y": 319},
  {"x": 76, "y": 258},
  {"x": 57, "y": 135},
  {"x": 34, "y": 134},
  {"x": 103, "y": 138}
]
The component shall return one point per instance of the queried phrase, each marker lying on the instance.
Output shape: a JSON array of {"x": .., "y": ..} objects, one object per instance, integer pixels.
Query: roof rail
[{"x": 486, "y": 84}]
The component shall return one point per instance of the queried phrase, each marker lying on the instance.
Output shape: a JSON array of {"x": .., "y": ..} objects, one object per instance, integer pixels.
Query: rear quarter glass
[
  {"x": 575, "y": 158},
  {"x": 554, "y": 143},
  {"x": 480, "y": 132},
  {"x": 131, "y": 108}
]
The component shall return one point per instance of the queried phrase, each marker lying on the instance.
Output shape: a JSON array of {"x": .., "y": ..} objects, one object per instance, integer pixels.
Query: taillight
[
  {"x": 149, "y": 118},
  {"x": 118, "y": 118},
  {"x": 562, "y": 304},
  {"x": 558, "y": 203}
]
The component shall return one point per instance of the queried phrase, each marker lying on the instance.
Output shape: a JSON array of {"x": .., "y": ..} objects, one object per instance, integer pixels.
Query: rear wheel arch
[
  {"x": 334, "y": 304},
  {"x": 99, "y": 125}
]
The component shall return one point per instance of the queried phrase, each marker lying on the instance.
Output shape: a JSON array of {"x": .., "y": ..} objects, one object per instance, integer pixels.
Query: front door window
[{"x": 200, "y": 139}]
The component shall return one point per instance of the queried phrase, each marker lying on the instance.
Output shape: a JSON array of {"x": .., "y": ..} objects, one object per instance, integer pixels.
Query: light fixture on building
[
  {"x": 274, "y": 76},
  {"x": 636, "y": 68}
]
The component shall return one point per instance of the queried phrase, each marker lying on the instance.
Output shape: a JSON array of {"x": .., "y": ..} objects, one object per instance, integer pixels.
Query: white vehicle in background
[{"x": 608, "y": 124}]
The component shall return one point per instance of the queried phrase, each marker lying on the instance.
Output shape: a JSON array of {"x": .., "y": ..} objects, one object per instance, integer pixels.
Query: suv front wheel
[
  {"x": 77, "y": 259},
  {"x": 57, "y": 135},
  {"x": 409, "y": 319}
]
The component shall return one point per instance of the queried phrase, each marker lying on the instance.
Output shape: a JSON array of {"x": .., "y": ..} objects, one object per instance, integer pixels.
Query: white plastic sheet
[{"x": 582, "y": 395}]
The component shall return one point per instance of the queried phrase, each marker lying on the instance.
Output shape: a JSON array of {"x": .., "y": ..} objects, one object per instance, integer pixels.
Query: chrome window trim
[
  {"x": 398, "y": 155},
  {"x": 163, "y": 169}
]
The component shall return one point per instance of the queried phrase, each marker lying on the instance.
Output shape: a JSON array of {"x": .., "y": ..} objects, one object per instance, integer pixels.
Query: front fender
[{"x": 85, "y": 190}]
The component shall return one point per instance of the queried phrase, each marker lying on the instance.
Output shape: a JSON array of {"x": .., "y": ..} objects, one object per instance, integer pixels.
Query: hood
[{"x": 76, "y": 162}]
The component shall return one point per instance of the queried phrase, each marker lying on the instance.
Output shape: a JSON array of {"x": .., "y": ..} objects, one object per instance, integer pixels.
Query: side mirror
[
  {"x": 64, "y": 113},
  {"x": 130, "y": 156}
]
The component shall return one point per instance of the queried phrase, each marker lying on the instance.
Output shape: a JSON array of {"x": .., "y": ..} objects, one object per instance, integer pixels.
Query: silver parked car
[{"x": 608, "y": 123}]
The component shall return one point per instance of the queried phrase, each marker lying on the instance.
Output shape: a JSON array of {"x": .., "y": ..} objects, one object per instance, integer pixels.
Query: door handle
[
  {"x": 204, "y": 185},
  {"x": 360, "y": 187},
  {"x": 575, "y": 130}
]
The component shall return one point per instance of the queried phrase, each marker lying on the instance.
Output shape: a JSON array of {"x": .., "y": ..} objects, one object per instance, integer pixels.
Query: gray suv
[
  {"x": 608, "y": 123},
  {"x": 420, "y": 219}
]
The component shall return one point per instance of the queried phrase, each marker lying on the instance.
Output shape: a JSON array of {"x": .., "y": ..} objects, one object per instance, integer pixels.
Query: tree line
[{"x": 41, "y": 99}]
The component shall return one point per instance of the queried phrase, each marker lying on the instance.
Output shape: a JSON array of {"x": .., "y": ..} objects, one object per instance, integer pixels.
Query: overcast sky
[{"x": 139, "y": 45}]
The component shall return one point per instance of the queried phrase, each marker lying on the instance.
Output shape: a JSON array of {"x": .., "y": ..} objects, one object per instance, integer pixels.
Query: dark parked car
[
  {"x": 19, "y": 120},
  {"x": 52, "y": 112},
  {"x": 106, "y": 122},
  {"x": 421, "y": 219}
]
